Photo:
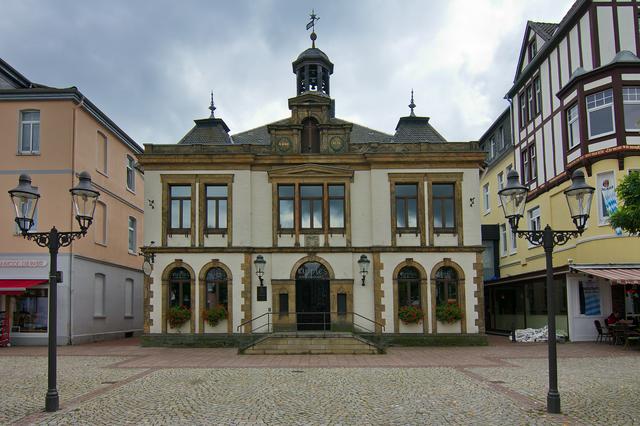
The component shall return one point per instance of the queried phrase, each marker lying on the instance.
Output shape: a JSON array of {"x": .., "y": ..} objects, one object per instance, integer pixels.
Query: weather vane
[
  {"x": 312, "y": 25},
  {"x": 412, "y": 105},
  {"x": 212, "y": 106}
]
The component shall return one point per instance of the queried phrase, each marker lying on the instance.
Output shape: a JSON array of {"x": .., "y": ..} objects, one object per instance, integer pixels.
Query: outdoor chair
[{"x": 602, "y": 334}]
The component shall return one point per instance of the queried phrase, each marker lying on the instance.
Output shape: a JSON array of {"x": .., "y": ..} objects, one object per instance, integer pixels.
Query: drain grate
[
  {"x": 109, "y": 383},
  {"x": 496, "y": 381},
  {"x": 297, "y": 371}
]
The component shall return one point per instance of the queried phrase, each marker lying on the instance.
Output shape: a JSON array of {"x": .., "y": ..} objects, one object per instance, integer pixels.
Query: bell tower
[{"x": 312, "y": 67}]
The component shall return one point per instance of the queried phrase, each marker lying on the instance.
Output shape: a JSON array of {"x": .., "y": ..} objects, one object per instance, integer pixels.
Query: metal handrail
[{"x": 297, "y": 314}]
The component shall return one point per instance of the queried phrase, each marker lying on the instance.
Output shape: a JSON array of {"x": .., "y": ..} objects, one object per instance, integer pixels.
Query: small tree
[{"x": 627, "y": 216}]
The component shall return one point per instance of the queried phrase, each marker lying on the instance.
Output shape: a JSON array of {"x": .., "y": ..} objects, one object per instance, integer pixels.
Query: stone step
[{"x": 311, "y": 343}]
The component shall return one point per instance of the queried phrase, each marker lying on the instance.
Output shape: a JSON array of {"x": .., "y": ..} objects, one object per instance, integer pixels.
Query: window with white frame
[
  {"x": 600, "y": 113},
  {"x": 132, "y": 234},
  {"x": 131, "y": 173},
  {"x": 500, "y": 185},
  {"x": 631, "y": 101},
  {"x": 503, "y": 239},
  {"x": 607, "y": 200},
  {"x": 538, "y": 92},
  {"x": 29, "y": 132},
  {"x": 500, "y": 138},
  {"x": 573, "y": 127},
  {"x": 514, "y": 242},
  {"x": 530, "y": 104},
  {"x": 492, "y": 147},
  {"x": 128, "y": 297},
  {"x": 533, "y": 217},
  {"x": 523, "y": 109},
  {"x": 485, "y": 198},
  {"x": 98, "y": 295}
]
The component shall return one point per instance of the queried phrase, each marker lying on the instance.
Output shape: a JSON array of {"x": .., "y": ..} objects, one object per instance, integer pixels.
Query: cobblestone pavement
[{"x": 121, "y": 383}]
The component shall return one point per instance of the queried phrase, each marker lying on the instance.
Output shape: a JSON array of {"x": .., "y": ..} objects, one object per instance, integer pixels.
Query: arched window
[
  {"x": 216, "y": 280},
  {"x": 408, "y": 287},
  {"x": 446, "y": 285},
  {"x": 180, "y": 288},
  {"x": 310, "y": 136}
]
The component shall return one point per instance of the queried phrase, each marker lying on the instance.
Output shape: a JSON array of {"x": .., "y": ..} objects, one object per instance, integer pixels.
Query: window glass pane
[
  {"x": 132, "y": 240},
  {"x": 448, "y": 213},
  {"x": 216, "y": 191},
  {"x": 286, "y": 214},
  {"x": 632, "y": 116},
  {"x": 211, "y": 214},
  {"x": 174, "y": 294},
  {"x": 336, "y": 213},
  {"x": 317, "y": 214},
  {"x": 25, "y": 146},
  {"x": 400, "y": 214},
  {"x": 306, "y": 213},
  {"x": 175, "y": 214},
  {"x": 452, "y": 291},
  {"x": 35, "y": 137},
  {"x": 336, "y": 190},
  {"x": 285, "y": 190},
  {"x": 440, "y": 295},
  {"x": 186, "y": 213},
  {"x": 181, "y": 191},
  {"x": 31, "y": 116},
  {"x": 31, "y": 311},
  {"x": 437, "y": 214},
  {"x": 415, "y": 293},
  {"x": 407, "y": 190},
  {"x": 186, "y": 295},
  {"x": 403, "y": 293},
  {"x": 442, "y": 190},
  {"x": 413, "y": 213},
  {"x": 222, "y": 214},
  {"x": 311, "y": 191},
  {"x": 601, "y": 121}
]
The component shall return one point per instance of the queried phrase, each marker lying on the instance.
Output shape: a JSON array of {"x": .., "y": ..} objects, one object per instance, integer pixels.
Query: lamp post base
[
  {"x": 553, "y": 402},
  {"x": 52, "y": 402}
]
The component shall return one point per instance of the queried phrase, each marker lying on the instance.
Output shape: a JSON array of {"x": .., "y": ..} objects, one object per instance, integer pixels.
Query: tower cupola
[{"x": 312, "y": 67}]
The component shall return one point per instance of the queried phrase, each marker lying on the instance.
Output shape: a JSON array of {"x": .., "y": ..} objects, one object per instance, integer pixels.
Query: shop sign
[
  {"x": 23, "y": 263},
  {"x": 591, "y": 298}
]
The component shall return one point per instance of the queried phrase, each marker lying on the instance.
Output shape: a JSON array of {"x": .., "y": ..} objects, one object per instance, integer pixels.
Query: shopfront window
[{"x": 31, "y": 312}]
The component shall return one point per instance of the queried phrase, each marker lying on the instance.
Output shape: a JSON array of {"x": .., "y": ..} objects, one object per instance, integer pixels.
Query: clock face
[
  {"x": 284, "y": 145},
  {"x": 336, "y": 143}
]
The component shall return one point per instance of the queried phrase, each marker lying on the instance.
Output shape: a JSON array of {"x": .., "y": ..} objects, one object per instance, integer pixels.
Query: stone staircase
[{"x": 310, "y": 342}]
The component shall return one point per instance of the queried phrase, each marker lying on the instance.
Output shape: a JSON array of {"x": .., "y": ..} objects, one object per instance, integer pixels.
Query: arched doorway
[{"x": 312, "y": 297}]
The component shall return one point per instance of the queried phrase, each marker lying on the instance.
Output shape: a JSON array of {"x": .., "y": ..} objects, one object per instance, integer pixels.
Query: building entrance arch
[{"x": 313, "y": 305}]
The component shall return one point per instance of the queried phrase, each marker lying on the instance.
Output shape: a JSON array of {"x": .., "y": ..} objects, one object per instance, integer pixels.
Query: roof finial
[
  {"x": 312, "y": 25},
  {"x": 412, "y": 105},
  {"x": 212, "y": 107}
]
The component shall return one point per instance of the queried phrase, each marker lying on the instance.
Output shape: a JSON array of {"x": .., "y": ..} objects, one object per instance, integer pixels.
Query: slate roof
[
  {"x": 209, "y": 131},
  {"x": 544, "y": 29},
  {"x": 413, "y": 129}
]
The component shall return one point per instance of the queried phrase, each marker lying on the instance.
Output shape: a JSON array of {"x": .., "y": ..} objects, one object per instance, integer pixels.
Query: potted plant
[
  {"x": 215, "y": 314},
  {"x": 178, "y": 315},
  {"x": 410, "y": 314},
  {"x": 448, "y": 312}
]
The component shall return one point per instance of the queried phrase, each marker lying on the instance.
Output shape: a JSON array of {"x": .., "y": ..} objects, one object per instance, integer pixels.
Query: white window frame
[
  {"x": 600, "y": 177},
  {"x": 99, "y": 295},
  {"x": 492, "y": 147},
  {"x": 534, "y": 221},
  {"x": 631, "y": 96},
  {"x": 129, "y": 286},
  {"x": 132, "y": 231},
  {"x": 571, "y": 120},
  {"x": 533, "y": 162},
  {"x": 485, "y": 198},
  {"x": 31, "y": 124},
  {"x": 597, "y": 107},
  {"x": 500, "y": 178},
  {"x": 131, "y": 171},
  {"x": 503, "y": 240},
  {"x": 537, "y": 89}
]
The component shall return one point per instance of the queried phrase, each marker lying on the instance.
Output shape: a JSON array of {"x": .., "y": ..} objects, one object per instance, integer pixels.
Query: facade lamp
[
  {"x": 259, "y": 263},
  {"x": 364, "y": 263}
]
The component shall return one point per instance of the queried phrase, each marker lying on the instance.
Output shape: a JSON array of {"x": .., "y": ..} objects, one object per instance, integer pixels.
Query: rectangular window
[
  {"x": 631, "y": 101},
  {"x": 503, "y": 239},
  {"x": 532, "y": 49},
  {"x": 523, "y": 109},
  {"x": 538, "y": 92},
  {"x": 406, "y": 206},
  {"x": 606, "y": 193},
  {"x": 180, "y": 208},
  {"x": 600, "y": 113},
  {"x": 29, "y": 132},
  {"x": 533, "y": 217},
  {"x": 131, "y": 175},
  {"x": 101, "y": 153},
  {"x": 573, "y": 127},
  {"x": 442, "y": 195},
  {"x": 485, "y": 198},
  {"x": 589, "y": 298},
  {"x": 342, "y": 303},
  {"x": 98, "y": 295},
  {"x": 216, "y": 207},
  {"x": 31, "y": 312},
  {"x": 311, "y": 206},
  {"x": 336, "y": 206},
  {"x": 500, "y": 138},
  {"x": 100, "y": 223},
  {"x": 132, "y": 234},
  {"x": 530, "y": 103},
  {"x": 492, "y": 147},
  {"x": 285, "y": 206},
  {"x": 529, "y": 164},
  {"x": 500, "y": 185},
  {"x": 526, "y": 167},
  {"x": 534, "y": 163},
  {"x": 283, "y": 301},
  {"x": 128, "y": 297}
]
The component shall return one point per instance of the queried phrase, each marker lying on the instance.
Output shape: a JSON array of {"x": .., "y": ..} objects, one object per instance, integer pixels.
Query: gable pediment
[{"x": 310, "y": 171}]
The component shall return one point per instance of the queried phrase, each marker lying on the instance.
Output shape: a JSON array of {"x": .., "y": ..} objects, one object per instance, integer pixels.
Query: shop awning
[
  {"x": 613, "y": 274},
  {"x": 15, "y": 287}
]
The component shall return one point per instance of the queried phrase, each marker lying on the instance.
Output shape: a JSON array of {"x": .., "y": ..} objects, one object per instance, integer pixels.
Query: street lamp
[
  {"x": 260, "y": 262},
  {"x": 579, "y": 196},
  {"x": 25, "y": 199},
  {"x": 364, "y": 262}
]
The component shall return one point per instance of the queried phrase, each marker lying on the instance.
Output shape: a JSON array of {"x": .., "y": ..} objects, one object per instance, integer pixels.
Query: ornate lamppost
[
  {"x": 25, "y": 199},
  {"x": 579, "y": 196},
  {"x": 364, "y": 263}
]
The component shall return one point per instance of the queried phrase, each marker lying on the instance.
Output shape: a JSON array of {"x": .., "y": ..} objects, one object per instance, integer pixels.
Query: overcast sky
[{"x": 150, "y": 65}]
